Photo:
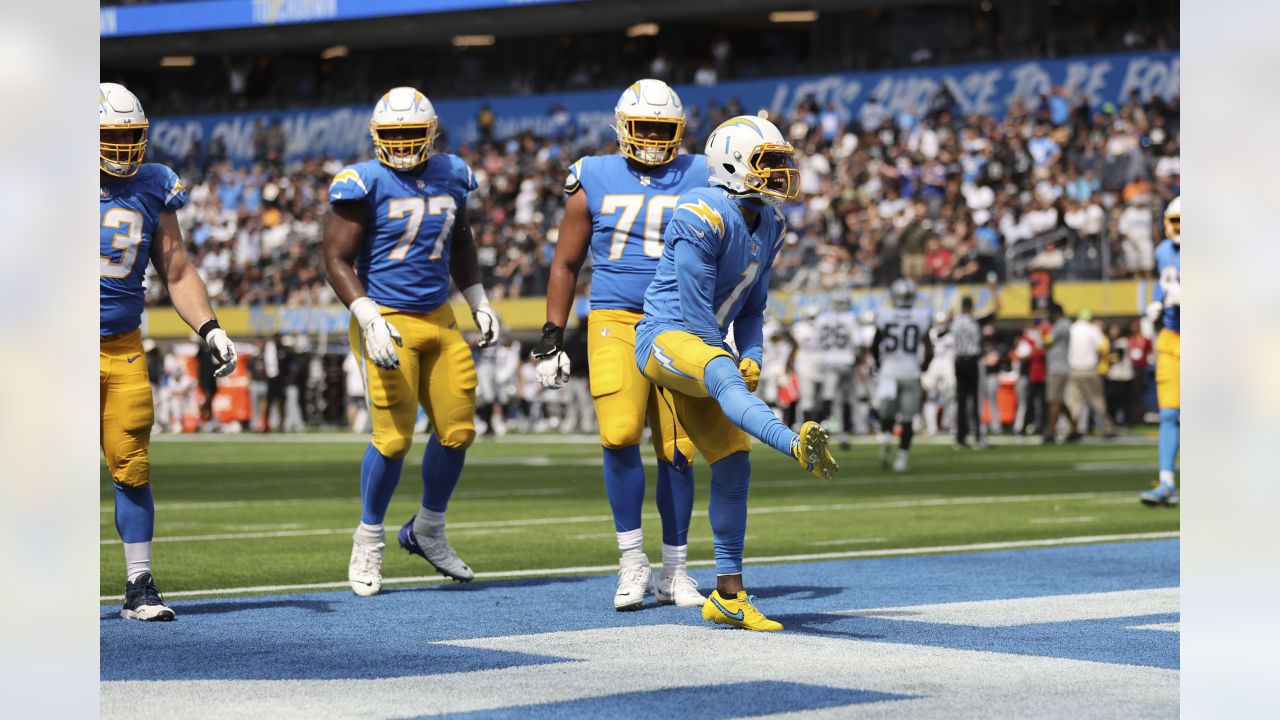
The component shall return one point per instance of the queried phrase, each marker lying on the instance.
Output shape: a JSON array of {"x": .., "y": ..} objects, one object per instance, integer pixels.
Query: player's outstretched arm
[
  {"x": 464, "y": 266},
  {"x": 188, "y": 293},
  {"x": 571, "y": 251},
  {"x": 344, "y": 230}
]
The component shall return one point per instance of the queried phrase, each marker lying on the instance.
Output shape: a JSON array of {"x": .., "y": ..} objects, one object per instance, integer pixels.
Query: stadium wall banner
[
  {"x": 1120, "y": 298},
  {"x": 988, "y": 88},
  {"x": 207, "y": 15}
]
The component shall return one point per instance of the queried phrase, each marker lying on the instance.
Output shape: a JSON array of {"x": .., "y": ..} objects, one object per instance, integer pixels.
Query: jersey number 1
[{"x": 413, "y": 207}]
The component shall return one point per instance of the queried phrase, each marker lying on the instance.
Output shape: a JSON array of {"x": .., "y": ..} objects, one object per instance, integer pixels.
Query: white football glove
[
  {"x": 552, "y": 363},
  {"x": 1172, "y": 294},
  {"x": 553, "y": 370},
  {"x": 486, "y": 319},
  {"x": 380, "y": 336},
  {"x": 223, "y": 352}
]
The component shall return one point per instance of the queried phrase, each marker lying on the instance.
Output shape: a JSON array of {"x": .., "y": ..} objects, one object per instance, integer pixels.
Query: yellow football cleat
[
  {"x": 738, "y": 612},
  {"x": 810, "y": 450}
]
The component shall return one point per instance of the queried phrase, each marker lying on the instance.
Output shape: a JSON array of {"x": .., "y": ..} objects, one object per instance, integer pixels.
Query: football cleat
[
  {"x": 900, "y": 464},
  {"x": 738, "y": 612},
  {"x": 434, "y": 547},
  {"x": 633, "y": 584},
  {"x": 142, "y": 601},
  {"x": 810, "y": 450},
  {"x": 677, "y": 588},
  {"x": 364, "y": 572},
  {"x": 1161, "y": 494},
  {"x": 886, "y": 453}
]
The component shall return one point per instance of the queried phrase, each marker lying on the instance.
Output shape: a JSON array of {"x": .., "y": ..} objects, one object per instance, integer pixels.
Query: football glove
[
  {"x": 221, "y": 348},
  {"x": 486, "y": 319},
  {"x": 380, "y": 336},
  {"x": 552, "y": 361},
  {"x": 750, "y": 370}
]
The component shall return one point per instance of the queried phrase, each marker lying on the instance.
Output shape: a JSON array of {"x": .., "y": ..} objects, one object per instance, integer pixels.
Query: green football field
[{"x": 278, "y": 512}]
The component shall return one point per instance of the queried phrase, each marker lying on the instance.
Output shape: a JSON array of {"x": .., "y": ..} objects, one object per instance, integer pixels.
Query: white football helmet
[
  {"x": 903, "y": 293},
  {"x": 1173, "y": 221},
  {"x": 645, "y": 106},
  {"x": 403, "y": 126},
  {"x": 840, "y": 302},
  {"x": 747, "y": 155},
  {"x": 119, "y": 109}
]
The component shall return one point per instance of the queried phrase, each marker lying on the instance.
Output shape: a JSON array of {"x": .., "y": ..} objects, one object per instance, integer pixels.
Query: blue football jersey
[
  {"x": 728, "y": 279},
  {"x": 629, "y": 209},
  {"x": 404, "y": 260},
  {"x": 130, "y": 213},
  {"x": 1169, "y": 274}
]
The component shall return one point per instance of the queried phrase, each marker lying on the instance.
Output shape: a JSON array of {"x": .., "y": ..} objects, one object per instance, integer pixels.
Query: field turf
[{"x": 279, "y": 511}]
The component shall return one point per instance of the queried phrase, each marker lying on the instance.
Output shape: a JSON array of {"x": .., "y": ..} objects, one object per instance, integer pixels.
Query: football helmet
[
  {"x": 747, "y": 155},
  {"x": 840, "y": 302},
  {"x": 119, "y": 109},
  {"x": 903, "y": 293},
  {"x": 648, "y": 102},
  {"x": 1173, "y": 221},
  {"x": 403, "y": 126}
]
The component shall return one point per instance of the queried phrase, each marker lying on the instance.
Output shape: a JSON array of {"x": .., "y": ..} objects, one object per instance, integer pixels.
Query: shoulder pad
[
  {"x": 573, "y": 179},
  {"x": 348, "y": 184},
  {"x": 172, "y": 192},
  {"x": 696, "y": 212}
]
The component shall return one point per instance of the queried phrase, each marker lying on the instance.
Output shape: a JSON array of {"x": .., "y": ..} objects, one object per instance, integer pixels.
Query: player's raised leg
[{"x": 447, "y": 389}]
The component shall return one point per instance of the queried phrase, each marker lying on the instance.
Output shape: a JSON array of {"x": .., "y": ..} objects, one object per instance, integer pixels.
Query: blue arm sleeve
[
  {"x": 695, "y": 273},
  {"x": 748, "y": 327}
]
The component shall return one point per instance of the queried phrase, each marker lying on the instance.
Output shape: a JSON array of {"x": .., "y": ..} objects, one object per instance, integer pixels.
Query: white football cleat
[
  {"x": 900, "y": 464},
  {"x": 886, "y": 452},
  {"x": 677, "y": 588},
  {"x": 434, "y": 547},
  {"x": 633, "y": 584},
  {"x": 364, "y": 572}
]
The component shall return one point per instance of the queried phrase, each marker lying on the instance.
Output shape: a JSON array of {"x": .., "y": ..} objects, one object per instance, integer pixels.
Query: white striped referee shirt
[{"x": 968, "y": 337}]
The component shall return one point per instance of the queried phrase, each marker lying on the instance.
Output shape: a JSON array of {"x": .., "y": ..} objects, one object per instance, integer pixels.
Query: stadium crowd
[{"x": 924, "y": 193}]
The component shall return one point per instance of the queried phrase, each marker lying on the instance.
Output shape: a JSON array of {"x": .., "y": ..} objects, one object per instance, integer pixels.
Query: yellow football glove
[{"x": 750, "y": 370}]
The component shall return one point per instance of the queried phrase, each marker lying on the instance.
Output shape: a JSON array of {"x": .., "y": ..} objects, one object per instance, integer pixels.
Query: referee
[{"x": 968, "y": 344}]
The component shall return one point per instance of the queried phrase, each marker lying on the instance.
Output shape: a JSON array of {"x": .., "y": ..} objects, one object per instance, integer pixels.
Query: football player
[
  {"x": 810, "y": 354},
  {"x": 617, "y": 208},
  {"x": 838, "y": 329},
  {"x": 1168, "y": 354},
  {"x": 397, "y": 232},
  {"x": 902, "y": 333},
  {"x": 717, "y": 252},
  {"x": 139, "y": 224}
]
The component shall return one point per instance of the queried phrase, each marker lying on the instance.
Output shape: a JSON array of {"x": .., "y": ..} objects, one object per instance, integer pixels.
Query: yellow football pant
[
  {"x": 124, "y": 393},
  {"x": 435, "y": 371},
  {"x": 677, "y": 362},
  {"x": 623, "y": 397},
  {"x": 1169, "y": 370}
]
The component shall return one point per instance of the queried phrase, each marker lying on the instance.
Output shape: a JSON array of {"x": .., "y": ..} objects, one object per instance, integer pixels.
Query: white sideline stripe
[
  {"x": 524, "y": 522},
  {"x": 1036, "y": 610},
  {"x": 229, "y": 504},
  {"x": 593, "y": 569},
  {"x": 850, "y": 541}
]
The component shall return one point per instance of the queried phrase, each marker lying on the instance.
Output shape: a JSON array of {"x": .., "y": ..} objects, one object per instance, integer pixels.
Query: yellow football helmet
[
  {"x": 650, "y": 102},
  {"x": 1173, "y": 221},
  {"x": 403, "y": 127},
  {"x": 119, "y": 110}
]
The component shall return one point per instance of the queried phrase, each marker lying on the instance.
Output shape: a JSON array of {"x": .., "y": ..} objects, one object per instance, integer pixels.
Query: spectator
[
  {"x": 1087, "y": 348},
  {"x": 1119, "y": 377},
  {"x": 1057, "y": 368}
]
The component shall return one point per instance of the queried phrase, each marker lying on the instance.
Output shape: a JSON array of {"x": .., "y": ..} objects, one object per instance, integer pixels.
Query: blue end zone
[
  {"x": 730, "y": 700},
  {"x": 337, "y": 635}
]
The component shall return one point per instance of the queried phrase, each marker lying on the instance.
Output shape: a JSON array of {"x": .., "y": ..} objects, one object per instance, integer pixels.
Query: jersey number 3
[
  {"x": 129, "y": 241},
  {"x": 414, "y": 208}
]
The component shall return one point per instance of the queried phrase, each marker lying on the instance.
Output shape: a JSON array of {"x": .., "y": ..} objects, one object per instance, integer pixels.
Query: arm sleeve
[
  {"x": 347, "y": 185},
  {"x": 748, "y": 327},
  {"x": 695, "y": 273}
]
